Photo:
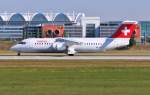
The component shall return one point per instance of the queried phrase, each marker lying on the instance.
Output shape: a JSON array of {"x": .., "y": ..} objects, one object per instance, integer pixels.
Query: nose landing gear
[
  {"x": 18, "y": 54},
  {"x": 71, "y": 51}
]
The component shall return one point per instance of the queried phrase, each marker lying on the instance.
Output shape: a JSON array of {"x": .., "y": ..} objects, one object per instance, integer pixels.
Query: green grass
[{"x": 74, "y": 77}]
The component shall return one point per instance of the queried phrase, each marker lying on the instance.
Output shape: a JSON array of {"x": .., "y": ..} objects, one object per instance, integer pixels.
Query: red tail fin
[{"x": 125, "y": 30}]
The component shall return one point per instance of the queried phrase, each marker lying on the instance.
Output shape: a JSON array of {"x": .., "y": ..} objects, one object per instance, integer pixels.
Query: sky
[{"x": 105, "y": 9}]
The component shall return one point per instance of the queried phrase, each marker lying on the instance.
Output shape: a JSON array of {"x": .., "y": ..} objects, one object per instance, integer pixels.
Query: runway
[{"x": 28, "y": 57}]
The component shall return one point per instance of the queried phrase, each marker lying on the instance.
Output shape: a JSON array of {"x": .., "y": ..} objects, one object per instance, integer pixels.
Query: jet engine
[{"x": 60, "y": 46}]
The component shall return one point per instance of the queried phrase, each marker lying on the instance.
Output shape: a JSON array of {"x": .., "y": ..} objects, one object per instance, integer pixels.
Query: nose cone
[{"x": 14, "y": 48}]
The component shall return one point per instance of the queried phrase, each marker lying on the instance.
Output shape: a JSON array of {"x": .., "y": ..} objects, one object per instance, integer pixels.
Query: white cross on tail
[{"x": 126, "y": 31}]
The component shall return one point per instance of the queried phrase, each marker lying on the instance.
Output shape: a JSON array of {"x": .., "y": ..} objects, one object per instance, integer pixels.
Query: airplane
[{"x": 121, "y": 38}]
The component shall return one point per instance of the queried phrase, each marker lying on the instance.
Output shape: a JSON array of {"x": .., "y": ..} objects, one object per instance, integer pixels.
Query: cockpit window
[{"x": 22, "y": 43}]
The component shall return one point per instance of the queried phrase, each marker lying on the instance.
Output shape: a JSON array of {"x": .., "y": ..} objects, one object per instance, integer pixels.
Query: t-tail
[{"x": 126, "y": 30}]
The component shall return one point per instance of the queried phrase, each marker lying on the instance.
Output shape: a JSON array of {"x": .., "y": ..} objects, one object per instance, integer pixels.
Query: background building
[
  {"x": 52, "y": 31},
  {"x": 109, "y": 28},
  {"x": 32, "y": 31},
  {"x": 11, "y": 32},
  {"x": 28, "y": 25},
  {"x": 73, "y": 31},
  {"x": 145, "y": 31}
]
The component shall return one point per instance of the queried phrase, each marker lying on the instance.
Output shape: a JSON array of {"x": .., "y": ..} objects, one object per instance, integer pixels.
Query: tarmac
[{"x": 62, "y": 57}]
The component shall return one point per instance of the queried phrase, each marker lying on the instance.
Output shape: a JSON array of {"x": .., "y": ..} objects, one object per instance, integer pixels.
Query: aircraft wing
[{"x": 68, "y": 42}]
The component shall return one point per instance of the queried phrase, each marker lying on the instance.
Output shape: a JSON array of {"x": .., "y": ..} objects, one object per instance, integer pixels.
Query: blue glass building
[{"x": 145, "y": 31}]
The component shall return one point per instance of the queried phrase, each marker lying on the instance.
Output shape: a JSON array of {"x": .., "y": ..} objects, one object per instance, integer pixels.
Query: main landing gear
[
  {"x": 70, "y": 54},
  {"x": 70, "y": 51}
]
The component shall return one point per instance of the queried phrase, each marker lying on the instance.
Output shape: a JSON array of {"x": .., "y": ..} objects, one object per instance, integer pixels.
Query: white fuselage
[{"x": 86, "y": 44}]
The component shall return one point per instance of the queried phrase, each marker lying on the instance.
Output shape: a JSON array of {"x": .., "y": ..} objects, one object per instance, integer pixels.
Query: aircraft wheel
[
  {"x": 18, "y": 53},
  {"x": 70, "y": 54}
]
